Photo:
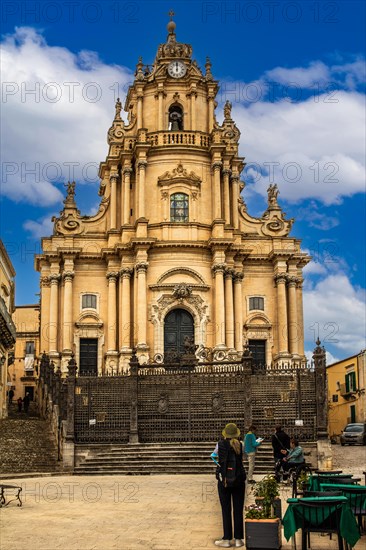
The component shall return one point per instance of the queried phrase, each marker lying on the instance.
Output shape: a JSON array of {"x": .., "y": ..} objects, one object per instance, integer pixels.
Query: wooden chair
[{"x": 319, "y": 519}]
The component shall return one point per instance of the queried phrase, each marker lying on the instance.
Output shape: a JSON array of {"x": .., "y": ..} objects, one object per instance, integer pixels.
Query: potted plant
[{"x": 262, "y": 525}]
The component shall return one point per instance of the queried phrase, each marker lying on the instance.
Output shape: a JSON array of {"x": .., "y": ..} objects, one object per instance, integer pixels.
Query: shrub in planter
[{"x": 262, "y": 527}]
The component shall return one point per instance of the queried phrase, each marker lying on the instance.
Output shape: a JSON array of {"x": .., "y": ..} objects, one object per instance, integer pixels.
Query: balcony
[
  {"x": 7, "y": 327},
  {"x": 177, "y": 138},
  {"x": 346, "y": 394}
]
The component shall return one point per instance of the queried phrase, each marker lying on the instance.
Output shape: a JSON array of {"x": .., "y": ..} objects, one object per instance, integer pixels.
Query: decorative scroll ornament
[
  {"x": 274, "y": 221},
  {"x": 179, "y": 174},
  {"x": 69, "y": 220}
]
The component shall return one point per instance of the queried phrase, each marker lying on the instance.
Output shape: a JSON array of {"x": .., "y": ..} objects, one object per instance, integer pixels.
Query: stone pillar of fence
[
  {"x": 325, "y": 458},
  {"x": 134, "y": 369},
  {"x": 247, "y": 362},
  {"x": 68, "y": 442}
]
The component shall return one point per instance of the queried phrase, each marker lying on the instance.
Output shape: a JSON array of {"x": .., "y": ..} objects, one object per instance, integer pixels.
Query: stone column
[
  {"x": 229, "y": 308},
  {"x": 67, "y": 321},
  {"x": 161, "y": 110},
  {"x": 53, "y": 332},
  {"x": 219, "y": 270},
  {"x": 127, "y": 194},
  {"x": 141, "y": 269},
  {"x": 234, "y": 206},
  {"x": 293, "y": 326},
  {"x": 45, "y": 284},
  {"x": 238, "y": 310},
  {"x": 112, "y": 312},
  {"x": 211, "y": 112},
  {"x": 193, "y": 95},
  {"x": 226, "y": 174},
  {"x": 300, "y": 317},
  {"x": 281, "y": 313},
  {"x": 216, "y": 167},
  {"x": 68, "y": 446},
  {"x": 139, "y": 111},
  {"x": 125, "y": 310},
  {"x": 141, "y": 167},
  {"x": 113, "y": 219}
]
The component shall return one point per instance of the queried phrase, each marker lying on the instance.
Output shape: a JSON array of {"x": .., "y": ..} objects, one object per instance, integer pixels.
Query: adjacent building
[
  {"x": 173, "y": 255},
  {"x": 23, "y": 372},
  {"x": 346, "y": 392},
  {"x": 7, "y": 327}
]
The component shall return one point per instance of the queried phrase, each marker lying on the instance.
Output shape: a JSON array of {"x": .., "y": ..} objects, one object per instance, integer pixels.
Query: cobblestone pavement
[{"x": 131, "y": 512}]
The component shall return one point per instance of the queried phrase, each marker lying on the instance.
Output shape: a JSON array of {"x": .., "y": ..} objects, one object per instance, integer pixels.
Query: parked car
[{"x": 354, "y": 434}]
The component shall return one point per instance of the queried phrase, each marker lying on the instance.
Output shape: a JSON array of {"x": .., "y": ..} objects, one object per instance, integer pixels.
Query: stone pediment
[
  {"x": 179, "y": 175},
  {"x": 176, "y": 275}
]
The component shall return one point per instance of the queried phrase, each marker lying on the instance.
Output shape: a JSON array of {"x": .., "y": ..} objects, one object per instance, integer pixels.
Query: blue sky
[{"x": 295, "y": 74}]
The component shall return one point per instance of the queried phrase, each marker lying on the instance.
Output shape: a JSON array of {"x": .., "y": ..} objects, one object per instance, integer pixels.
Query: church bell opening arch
[{"x": 178, "y": 325}]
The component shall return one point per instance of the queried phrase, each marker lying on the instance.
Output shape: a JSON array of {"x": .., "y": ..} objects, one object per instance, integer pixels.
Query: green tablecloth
[
  {"x": 316, "y": 480},
  {"x": 292, "y": 520},
  {"x": 343, "y": 487}
]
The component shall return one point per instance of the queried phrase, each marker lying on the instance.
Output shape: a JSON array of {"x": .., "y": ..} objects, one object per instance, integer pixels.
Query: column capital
[
  {"x": 216, "y": 165},
  {"x": 280, "y": 278},
  {"x": 54, "y": 278},
  {"x": 292, "y": 281},
  {"x": 229, "y": 273},
  {"x": 238, "y": 276},
  {"x": 113, "y": 177},
  {"x": 112, "y": 276},
  {"x": 234, "y": 178},
  {"x": 126, "y": 272},
  {"x": 141, "y": 164},
  {"x": 218, "y": 268},
  {"x": 127, "y": 170},
  {"x": 68, "y": 275},
  {"x": 141, "y": 267},
  {"x": 299, "y": 282},
  {"x": 226, "y": 172},
  {"x": 45, "y": 282}
]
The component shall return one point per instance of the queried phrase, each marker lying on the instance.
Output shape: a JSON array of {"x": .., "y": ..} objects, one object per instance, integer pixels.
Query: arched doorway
[{"x": 178, "y": 324}]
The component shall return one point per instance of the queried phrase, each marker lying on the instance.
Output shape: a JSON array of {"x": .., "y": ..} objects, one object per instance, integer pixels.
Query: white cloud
[
  {"x": 335, "y": 310},
  {"x": 40, "y": 228},
  {"x": 311, "y": 149},
  {"x": 304, "y": 77},
  {"x": 329, "y": 357},
  {"x": 57, "y": 107}
]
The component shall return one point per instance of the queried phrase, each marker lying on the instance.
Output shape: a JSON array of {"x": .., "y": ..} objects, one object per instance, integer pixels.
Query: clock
[{"x": 177, "y": 69}]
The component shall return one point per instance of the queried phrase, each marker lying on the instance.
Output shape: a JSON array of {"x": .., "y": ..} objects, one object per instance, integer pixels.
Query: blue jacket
[
  {"x": 295, "y": 456},
  {"x": 250, "y": 443}
]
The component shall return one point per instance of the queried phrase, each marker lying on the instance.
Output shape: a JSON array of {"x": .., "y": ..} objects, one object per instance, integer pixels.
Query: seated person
[{"x": 294, "y": 457}]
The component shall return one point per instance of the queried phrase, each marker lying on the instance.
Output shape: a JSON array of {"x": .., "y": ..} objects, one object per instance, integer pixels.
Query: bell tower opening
[{"x": 175, "y": 117}]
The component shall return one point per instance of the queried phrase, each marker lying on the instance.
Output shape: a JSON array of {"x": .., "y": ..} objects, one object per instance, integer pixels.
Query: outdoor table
[
  {"x": 327, "y": 472},
  {"x": 292, "y": 520},
  {"x": 344, "y": 486},
  {"x": 315, "y": 481}
]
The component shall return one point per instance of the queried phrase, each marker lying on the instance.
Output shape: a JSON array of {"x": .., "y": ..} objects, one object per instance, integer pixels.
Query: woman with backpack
[{"x": 230, "y": 474}]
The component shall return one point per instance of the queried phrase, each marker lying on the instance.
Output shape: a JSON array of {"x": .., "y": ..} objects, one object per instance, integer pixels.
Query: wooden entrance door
[{"x": 177, "y": 325}]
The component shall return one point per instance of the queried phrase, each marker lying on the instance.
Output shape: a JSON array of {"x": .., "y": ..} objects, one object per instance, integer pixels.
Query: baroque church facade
[{"x": 172, "y": 255}]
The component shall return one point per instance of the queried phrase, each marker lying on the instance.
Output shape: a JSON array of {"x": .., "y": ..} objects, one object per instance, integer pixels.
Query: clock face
[{"x": 177, "y": 69}]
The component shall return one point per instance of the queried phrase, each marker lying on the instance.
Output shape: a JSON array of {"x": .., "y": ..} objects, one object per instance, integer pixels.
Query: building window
[
  {"x": 335, "y": 398},
  {"x": 350, "y": 382},
  {"x": 89, "y": 301},
  {"x": 179, "y": 207},
  {"x": 256, "y": 302},
  {"x": 29, "y": 348}
]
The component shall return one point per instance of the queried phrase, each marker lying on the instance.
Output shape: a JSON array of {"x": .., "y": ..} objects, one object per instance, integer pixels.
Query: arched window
[
  {"x": 175, "y": 117},
  {"x": 179, "y": 207}
]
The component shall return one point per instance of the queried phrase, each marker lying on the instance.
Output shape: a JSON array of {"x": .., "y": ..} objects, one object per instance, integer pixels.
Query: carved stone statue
[
  {"x": 70, "y": 190},
  {"x": 273, "y": 192},
  {"x": 118, "y": 109},
  {"x": 227, "y": 110}
]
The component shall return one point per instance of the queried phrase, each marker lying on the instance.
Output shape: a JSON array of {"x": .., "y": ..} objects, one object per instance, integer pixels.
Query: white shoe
[
  {"x": 223, "y": 543},
  {"x": 238, "y": 542}
]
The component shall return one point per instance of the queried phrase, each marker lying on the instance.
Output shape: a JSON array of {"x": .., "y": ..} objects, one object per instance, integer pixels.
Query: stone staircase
[
  {"x": 26, "y": 445},
  {"x": 157, "y": 458}
]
